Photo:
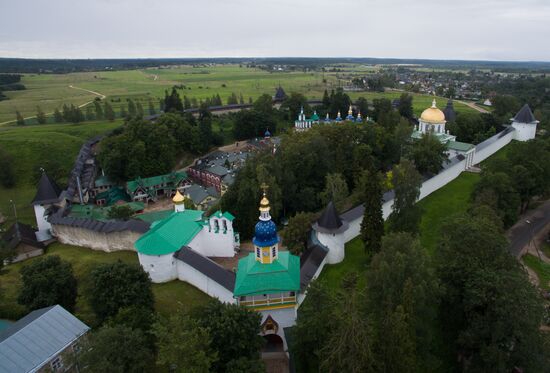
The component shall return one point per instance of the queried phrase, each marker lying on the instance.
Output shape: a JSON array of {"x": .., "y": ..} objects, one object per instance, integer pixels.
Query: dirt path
[
  {"x": 102, "y": 96},
  {"x": 473, "y": 106}
]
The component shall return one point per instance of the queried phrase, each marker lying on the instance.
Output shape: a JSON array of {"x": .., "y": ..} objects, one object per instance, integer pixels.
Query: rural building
[
  {"x": 42, "y": 341},
  {"x": 218, "y": 169},
  {"x": 151, "y": 188},
  {"x": 201, "y": 197},
  {"x": 20, "y": 239}
]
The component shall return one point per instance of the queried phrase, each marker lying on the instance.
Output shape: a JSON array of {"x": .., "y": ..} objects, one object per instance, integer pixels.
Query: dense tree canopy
[
  {"x": 372, "y": 226},
  {"x": 46, "y": 282},
  {"x": 117, "y": 285},
  {"x": 295, "y": 234},
  {"x": 406, "y": 214},
  {"x": 428, "y": 154}
]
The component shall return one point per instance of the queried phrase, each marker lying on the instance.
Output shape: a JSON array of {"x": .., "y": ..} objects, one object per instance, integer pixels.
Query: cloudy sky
[{"x": 435, "y": 29}]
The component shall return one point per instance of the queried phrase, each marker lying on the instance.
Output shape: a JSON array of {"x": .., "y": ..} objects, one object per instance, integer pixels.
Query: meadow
[{"x": 50, "y": 91}]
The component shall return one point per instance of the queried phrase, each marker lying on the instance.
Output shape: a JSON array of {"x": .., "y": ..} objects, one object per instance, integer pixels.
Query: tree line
[{"x": 129, "y": 336}]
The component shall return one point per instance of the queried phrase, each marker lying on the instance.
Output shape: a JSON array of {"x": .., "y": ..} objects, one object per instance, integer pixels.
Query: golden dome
[
  {"x": 264, "y": 204},
  {"x": 178, "y": 198},
  {"x": 433, "y": 114}
]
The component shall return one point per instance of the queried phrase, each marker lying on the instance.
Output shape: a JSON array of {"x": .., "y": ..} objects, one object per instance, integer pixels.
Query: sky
[{"x": 433, "y": 29}]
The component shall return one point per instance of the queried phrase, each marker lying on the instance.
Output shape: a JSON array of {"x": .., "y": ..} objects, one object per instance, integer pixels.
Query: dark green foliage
[
  {"x": 144, "y": 149},
  {"x": 98, "y": 109},
  {"x": 6, "y": 254},
  {"x": 244, "y": 364},
  {"x": 124, "y": 112},
  {"x": 232, "y": 99},
  {"x": 496, "y": 190},
  {"x": 474, "y": 128},
  {"x": 326, "y": 100},
  {"x": 405, "y": 106},
  {"x": 89, "y": 113},
  {"x": 294, "y": 103},
  {"x": 46, "y": 282},
  {"x": 117, "y": 285},
  {"x": 116, "y": 349},
  {"x": 233, "y": 330},
  {"x": 132, "y": 111},
  {"x": 296, "y": 233},
  {"x": 339, "y": 101},
  {"x": 428, "y": 154},
  {"x": 184, "y": 345},
  {"x": 57, "y": 116},
  {"x": 136, "y": 317},
  {"x": 490, "y": 310},
  {"x": 406, "y": 214},
  {"x": 402, "y": 293},
  {"x": 252, "y": 123},
  {"x": 372, "y": 226},
  {"x": 362, "y": 106},
  {"x": 19, "y": 118},
  {"x": 139, "y": 110},
  {"x": 505, "y": 106},
  {"x": 151, "y": 107},
  {"x": 7, "y": 172},
  {"x": 123, "y": 212},
  {"x": 108, "y": 111},
  {"x": 381, "y": 106},
  {"x": 172, "y": 102},
  {"x": 40, "y": 116}
]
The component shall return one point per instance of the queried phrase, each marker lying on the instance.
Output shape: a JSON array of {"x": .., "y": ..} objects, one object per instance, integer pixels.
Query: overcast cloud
[{"x": 459, "y": 29}]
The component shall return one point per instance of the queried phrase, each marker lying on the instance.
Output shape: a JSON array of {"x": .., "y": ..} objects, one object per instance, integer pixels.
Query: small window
[
  {"x": 274, "y": 251},
  {"x": 258, "y": 252},
  {"x": 57, "y": 364}
]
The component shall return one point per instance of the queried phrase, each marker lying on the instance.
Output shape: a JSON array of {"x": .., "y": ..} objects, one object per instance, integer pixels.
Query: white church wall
[
  {"x": 108, "y": 242},
  {"x": 41, "y": 222},
  {"x": 202, "y": 282},
  {"x": 161, "y": 268},
  {"x": 443, "y": 178},
  {"x": 524, "y": 131},
  {"x": 210, "y": 243},
  {"x": 336, "y": 244}
]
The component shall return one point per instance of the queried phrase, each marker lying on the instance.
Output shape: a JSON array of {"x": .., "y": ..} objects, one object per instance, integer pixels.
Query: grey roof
[
  {"x": 218, "y": 170},
  {"x": 329, "y": 221},
  {"x": 84, "y": 168},
  {"x": 279, "y": 94},
  {"x": 48, "y": 191},
  {"x": 310, "y": 261},
  {"x": 31, "y": 342},
  {"x": 110, "y": 226},
  {"x": 525, "y": 115},
  {"x": 207, "y": 267},
  {"x": 21, "y": 233},
  {"x": 197, "y": 193}
]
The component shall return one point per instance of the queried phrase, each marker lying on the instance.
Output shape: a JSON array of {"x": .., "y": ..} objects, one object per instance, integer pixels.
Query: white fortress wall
[
  {"x": 202, "y": 282},
  {"x": 161, "y": 268},
  {"x": 108, "y": 242}
]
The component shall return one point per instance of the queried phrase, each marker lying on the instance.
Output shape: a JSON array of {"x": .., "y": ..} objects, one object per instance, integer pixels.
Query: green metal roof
[
  {"x": 226, "y": 215},
  {"x": 172, "y": 178},
  {"x": 113, "y": 195},
  {"x": 102, "y": 181},
  {"x": 460, "y": 146},
  {"x": 255, "y": 278},
  {"x": 171, "y": 234}
]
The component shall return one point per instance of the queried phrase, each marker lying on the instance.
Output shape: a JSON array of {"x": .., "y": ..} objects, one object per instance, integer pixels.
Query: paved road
[
  {"x": 520, "y": 234},
  {"x": 473, "y": 106}
]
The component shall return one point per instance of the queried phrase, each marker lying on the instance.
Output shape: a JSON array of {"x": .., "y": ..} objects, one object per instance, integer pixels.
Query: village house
[
  {"x": 20, "y": 240},
  {"x": 151, "y": 188},
  {"x": 42, "y": 341}
]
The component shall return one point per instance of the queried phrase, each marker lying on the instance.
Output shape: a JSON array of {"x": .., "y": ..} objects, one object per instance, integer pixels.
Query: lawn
[
  {"x": 451, "y": 199},
  {"x": 541, "y": 268},
  {"x": 355, "y": 261},
  {"x": 31, "y": 147},
  {"x": 168, "y": 297},
  {"x": 51, "y": 91}
]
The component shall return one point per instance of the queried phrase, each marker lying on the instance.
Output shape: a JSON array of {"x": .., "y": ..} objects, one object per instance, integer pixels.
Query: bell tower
[{"x": 266, "y": 240}]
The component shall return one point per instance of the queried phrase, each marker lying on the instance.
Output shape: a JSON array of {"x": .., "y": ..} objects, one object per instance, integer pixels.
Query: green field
[
  {"x": 52, "y": 90},
  {"x": 32, "y": 147},
  {"x": 541, "y": 268},
  {"x": 168, "y": 297}
]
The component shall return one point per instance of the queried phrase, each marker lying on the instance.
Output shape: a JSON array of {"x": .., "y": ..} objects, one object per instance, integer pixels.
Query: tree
[
  {"x": 123, "y": 212},
  {"x": 405, "y": 107},
  {"x": 429, "y": 154},
  {"x": 362, "y": 106},
  {"x": 7, "y": 172},
  {"x": 313, "y": 326},
  {"x": 151, "y": 107},
  {"x": 183, "y": 345},
  {"x": 232, "y": 99},
  {"x": 89, "y": 113},
  {"x": 496, "y": 190},
  {"x": 294, "y": 104},
  {"x": 228, "y": 341},
  {"x": 372, "y": 225},
  {"x": 48, "y": 281},
  {"x": 295, "y": 234},
  {"x": 336, "y": 188},
  {"x": 381, "y": 106},
  {"x": 172, "y": 102},
  {"x": 402, "y": 291},
  {"x": 57, "y": 116},
  {"x": 405, "y": 216},
  {"x": 326, "y": 100},
  {"x": 40, "y": 116},
  {"x": 109, "y": 112},
  {"x": 19, "y": 118},
  {"x": 123, "y": 111},
  {"x": 98, "y": 109},
  {"x": 136, "y": 317},
  {"x": 505, "y": 106},
  {"x": 116, "y": 349},
  {"x": 131, "y": 108},
  {"x": 139, "y": 110},
  {"x": 491, "y": 312},
  {"x": 6, "y": 254},
  {"x": 117, "y": 285}
]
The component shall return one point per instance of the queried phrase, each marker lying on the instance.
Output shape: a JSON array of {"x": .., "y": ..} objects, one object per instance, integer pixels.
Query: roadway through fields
[{"x": 102, "y": 96}]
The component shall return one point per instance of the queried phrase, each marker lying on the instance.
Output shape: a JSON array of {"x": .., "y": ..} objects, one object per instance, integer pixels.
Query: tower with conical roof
[
  {"x": 329, "y": 230},
  {"x": 525, "y": 124},
  {"x": 48, "y": 195}
]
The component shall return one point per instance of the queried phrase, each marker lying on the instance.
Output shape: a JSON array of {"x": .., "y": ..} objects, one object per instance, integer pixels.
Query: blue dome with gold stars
[{"x": 265, "y": 233}]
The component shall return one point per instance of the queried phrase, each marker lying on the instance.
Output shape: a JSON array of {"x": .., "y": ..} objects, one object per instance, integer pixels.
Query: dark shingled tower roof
[
  {"x": 330, "y": 221},
  {"x": 525, "y": 115},
  {"x": 48, "y": 191},
  {"x": 280, "y": 94},
  {"x": 449, "y": 111}
]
